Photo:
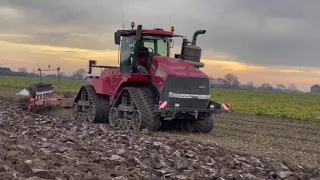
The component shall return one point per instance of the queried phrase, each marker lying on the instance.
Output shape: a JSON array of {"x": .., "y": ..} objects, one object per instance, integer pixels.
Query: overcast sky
[{"x": 256, "y": 32}]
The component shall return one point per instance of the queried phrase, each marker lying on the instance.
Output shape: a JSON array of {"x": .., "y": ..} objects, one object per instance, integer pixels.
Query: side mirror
[
  {"x": 171, "y": 43},
  {"x": 91, "y": 63},
  {"x": 117, "y": 37}
]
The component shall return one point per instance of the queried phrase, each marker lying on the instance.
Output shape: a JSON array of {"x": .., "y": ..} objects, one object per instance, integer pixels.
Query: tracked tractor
[{"x": 150, "y": 90}]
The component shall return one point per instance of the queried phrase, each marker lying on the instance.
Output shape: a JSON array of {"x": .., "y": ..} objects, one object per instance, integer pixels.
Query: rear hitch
[{"x": 196, "y": 114}]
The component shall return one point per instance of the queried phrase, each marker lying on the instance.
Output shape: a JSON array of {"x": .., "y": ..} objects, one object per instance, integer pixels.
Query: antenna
[
  {"x": 169, "y": 22},
  {"x": 122, "y": 15}
]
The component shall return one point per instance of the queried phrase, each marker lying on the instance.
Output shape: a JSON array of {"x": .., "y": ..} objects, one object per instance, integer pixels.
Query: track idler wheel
[
  {"x": 119, "y": 123},
  {"x": 136, "y": 120},
  {"x": 91, "y": 113},
  {"x": 113, "y": 117}
]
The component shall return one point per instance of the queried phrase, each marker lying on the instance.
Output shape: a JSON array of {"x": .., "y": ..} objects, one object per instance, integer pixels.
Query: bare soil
[
  {"x": 291, "y": 140},
  {"x": 54, "y": 146}
]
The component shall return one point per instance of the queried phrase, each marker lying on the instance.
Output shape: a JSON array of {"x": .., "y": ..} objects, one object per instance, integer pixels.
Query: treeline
[
  {"x": 232, "y": 81},
  {"x": 229, "y": 81},
  {"x": 78, "y": 74}
]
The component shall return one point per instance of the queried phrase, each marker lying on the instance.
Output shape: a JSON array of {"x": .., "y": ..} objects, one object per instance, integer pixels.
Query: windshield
[
  {"x": 125, "y": 53},
  {"x": 126, "y": 47},
  {"x": 156, "y": 44}
]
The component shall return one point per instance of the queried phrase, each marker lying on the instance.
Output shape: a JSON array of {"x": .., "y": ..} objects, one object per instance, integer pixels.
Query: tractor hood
[
  {"x": 180, "y": 83},
  {"x": 176, "y": 67}
]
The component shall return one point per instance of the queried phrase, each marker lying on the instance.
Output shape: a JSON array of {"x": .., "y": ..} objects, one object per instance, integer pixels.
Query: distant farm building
[{"x": 315, "y": 88}]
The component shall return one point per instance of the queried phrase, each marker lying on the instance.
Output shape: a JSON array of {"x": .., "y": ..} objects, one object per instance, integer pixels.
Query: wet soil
[{"x": 46, "y": 146}]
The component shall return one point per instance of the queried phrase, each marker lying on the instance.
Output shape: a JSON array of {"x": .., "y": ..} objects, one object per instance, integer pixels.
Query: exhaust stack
[
  {"x": 195, "y": 35},
  {"x": 135, "y": 63},
  {"x": 191, "y": 53}
]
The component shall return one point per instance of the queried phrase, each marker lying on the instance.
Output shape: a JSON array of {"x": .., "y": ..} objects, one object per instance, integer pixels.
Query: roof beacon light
[
  {"x": 132, "y": 25},
  {"x": 172, "y": 28}
]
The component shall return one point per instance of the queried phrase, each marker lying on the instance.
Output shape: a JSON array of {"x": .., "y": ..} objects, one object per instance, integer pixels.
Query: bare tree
[
  {"x": 266, "y": 86},
  {"x": 221, "y": 81},
  {"x": 292, "y": 87},
  {"x": 212, "y": 80},
  {"x": 236, "y": 84},
  {"x": 79, "y": 74},
  {"x": 231, "y": 79},
  {"x": 22, "y": 69},
  {"x": 250, "y": 84},
  {"x": 281, "y": 87}
]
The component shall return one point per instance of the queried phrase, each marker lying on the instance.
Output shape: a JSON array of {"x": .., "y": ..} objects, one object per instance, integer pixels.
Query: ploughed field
[
  {"x": 53, "y": 145},
  {"x": 277, "y": 104}
]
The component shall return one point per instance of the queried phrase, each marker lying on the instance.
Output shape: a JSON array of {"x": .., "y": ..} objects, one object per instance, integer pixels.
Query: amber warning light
[
  {"x": 172, "y": 28},
  {"x": 132, "y": 25}
]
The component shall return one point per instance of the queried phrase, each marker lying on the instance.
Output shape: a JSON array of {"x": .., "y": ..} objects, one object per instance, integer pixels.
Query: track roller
[{"x": 128, "y": 124}]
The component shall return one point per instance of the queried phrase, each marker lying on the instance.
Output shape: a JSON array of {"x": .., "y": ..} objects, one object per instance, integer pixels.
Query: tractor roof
[{"x": 159, "y": 32}]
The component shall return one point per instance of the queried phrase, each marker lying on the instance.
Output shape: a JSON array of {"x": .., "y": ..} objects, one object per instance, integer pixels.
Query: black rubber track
[
  {"x": 144, "y": 102},
  {"x": 104, "y": 101},
  {"x": 96, "y": 103},
  {"x": 205, "y": 125}
]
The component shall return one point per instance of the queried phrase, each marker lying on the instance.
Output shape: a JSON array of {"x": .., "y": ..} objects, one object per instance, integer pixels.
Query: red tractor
[{"x": 150, "y": 90}]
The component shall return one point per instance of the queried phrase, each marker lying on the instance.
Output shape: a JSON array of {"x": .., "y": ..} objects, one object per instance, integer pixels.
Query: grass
[
  {"x": 286, "y": 105},
  {"x": 23, "y": 82}
]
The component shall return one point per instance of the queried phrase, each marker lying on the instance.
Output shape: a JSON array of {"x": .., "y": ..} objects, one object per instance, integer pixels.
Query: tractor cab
[{"x": 137, "y": 47}]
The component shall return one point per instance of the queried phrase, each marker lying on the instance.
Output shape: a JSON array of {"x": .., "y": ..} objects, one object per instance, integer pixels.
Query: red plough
[{"x": 41, "y": 96}]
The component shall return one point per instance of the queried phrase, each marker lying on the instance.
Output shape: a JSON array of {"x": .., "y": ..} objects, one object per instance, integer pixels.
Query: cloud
[
  {"x": 252, "y": 38},
  {"x": 277, "y": 33}
]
